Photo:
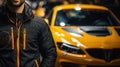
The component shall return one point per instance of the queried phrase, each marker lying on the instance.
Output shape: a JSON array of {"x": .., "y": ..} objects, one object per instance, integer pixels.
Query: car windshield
[{"x": 85, "y": 18}]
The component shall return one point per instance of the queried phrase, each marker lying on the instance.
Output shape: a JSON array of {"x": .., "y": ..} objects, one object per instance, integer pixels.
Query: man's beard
[{"x": 14, "y": 5}]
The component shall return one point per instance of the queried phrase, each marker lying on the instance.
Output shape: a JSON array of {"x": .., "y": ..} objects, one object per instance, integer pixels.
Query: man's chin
[{"x": 17, "y": 4}]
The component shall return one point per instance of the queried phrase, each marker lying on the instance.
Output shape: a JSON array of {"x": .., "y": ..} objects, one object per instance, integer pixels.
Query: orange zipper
[
  {"x": 12, "y": 37},
  {"x": 18, "y": 48},
  {"x": 18, "y": 42},
  {"x": 24, "y": 39}
]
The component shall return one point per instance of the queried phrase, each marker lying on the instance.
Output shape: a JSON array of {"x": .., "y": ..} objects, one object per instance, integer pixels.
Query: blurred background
[{"x": 44, "y": 6}]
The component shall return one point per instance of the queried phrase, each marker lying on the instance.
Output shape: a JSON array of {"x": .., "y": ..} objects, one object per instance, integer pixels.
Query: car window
[{"x": 85, "y": 18}]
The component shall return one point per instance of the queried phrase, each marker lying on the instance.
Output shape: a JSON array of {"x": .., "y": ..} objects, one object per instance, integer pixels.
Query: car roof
[{"x": 82, "y": 6}]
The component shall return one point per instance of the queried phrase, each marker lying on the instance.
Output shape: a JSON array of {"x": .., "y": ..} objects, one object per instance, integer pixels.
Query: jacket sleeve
[{"x": 47, "y": 47}]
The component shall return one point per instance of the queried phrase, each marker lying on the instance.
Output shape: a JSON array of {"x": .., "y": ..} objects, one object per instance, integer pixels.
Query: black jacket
[{"x": 23, "y": 38}]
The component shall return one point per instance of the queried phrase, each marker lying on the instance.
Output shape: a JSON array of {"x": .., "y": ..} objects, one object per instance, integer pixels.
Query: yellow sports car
[{"x": 85, "y": 36}]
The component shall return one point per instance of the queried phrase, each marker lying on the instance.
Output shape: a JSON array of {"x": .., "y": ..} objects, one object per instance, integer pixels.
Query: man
[{"x": 23, "y": 37}]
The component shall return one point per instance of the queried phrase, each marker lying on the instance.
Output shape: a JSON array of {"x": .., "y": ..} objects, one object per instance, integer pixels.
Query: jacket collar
[{"x": 26, "y": 15}]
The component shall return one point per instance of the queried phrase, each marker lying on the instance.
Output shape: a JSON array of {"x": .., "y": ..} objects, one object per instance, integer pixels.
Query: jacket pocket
[{"x": 37, "y": 63}]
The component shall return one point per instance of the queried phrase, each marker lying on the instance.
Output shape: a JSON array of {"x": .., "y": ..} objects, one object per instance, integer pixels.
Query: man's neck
[{"x": 16, "y": 9}]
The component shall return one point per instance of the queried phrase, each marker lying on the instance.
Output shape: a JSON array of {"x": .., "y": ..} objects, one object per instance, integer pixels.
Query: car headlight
[{"x": 69, "y": 48}]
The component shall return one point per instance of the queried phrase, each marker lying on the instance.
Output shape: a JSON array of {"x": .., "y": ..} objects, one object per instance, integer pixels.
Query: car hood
[{"x": 88, "y": 36}]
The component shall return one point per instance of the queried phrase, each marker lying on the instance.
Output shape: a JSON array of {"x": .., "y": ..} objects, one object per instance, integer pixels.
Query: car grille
[{"x": 105, "y": 54}]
